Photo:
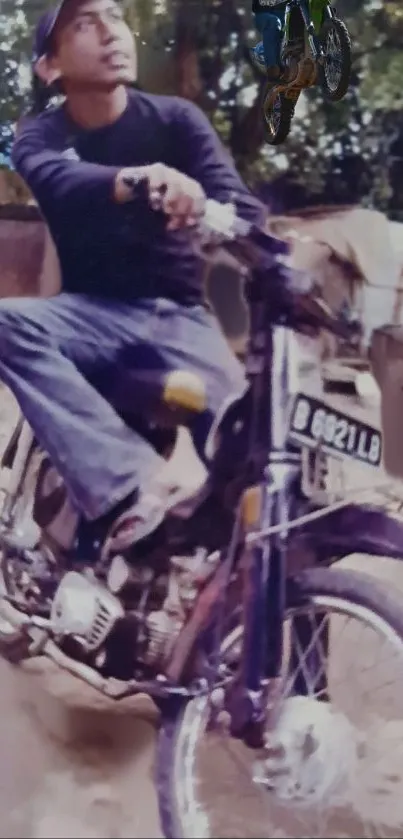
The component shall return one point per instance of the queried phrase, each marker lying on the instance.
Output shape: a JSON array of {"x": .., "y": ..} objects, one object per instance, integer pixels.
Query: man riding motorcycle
[
  {"x": 132, "y": 292},
  {"x": 269, "y": 18}
]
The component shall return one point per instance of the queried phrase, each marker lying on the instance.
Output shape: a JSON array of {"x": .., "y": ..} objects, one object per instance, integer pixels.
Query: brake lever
[{"x": 311, "y": 311}]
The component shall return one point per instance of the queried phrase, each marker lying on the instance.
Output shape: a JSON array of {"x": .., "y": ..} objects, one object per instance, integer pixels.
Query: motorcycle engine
[
  {"x": 162, "y": 631},
  {"x": 187, "y": 575},
  {"x": 84, "y": 608},
  {"x": 131, "y": 629}
]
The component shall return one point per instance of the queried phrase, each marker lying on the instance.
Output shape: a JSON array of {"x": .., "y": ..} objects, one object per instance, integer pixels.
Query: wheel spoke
[{"x": 228, "y": 790}]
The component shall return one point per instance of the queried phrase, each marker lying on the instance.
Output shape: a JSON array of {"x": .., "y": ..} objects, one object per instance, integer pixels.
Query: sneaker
[
  {"x": 143, "y": 517},
  {"x": 135, "y": 524}
]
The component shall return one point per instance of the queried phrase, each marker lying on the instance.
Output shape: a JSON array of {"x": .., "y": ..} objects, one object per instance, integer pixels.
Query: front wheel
[
  {"x": 335, "y": 73},
  {"x": 277, "y": 116},
  {"x": 332, "y": 768}
]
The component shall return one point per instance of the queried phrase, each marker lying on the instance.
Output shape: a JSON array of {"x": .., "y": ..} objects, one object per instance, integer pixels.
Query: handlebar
[
  {"x": 294, "y": 299},
  {"x": 219, "y": 221},
  {"x": 293, "y": 291}
]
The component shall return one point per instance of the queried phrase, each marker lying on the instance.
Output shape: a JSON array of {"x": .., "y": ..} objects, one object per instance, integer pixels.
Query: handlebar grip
[
  {"x": 137, "y": 184},
  {"x": 139, "y": 187}
]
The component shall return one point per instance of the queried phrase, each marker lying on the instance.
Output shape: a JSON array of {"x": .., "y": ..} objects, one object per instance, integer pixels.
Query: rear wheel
[
  {"x": 331, "y": 768},
  {"x": 277, "y": 116}
]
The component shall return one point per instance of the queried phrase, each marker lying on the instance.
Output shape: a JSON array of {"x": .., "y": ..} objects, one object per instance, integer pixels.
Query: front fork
[
  {"x": 264, "y": 614},
  {"x": 313, "y": 38},
  {"x": 255, "y": 693}
]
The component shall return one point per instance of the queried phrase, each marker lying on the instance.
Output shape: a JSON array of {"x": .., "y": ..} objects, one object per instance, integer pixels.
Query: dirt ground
[{"x": 71, "y": 764}]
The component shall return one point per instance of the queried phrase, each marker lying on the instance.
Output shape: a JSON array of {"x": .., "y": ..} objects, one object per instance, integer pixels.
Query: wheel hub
[{"x": 311, "y": 755}]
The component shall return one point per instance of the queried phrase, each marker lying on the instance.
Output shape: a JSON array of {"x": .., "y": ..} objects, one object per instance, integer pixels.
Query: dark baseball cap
[{"x": 45, "y": 28}]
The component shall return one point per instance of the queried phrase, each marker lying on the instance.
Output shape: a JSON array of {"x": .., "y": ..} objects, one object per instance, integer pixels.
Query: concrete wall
[
  {"x": 21, "y": 252},
  {"x": 28, "y": 260}
]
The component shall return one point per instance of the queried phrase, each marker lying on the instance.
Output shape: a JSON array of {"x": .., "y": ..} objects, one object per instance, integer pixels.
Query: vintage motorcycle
[
  {"x": 229, "y": 622},
  {"x": 315, "y": 49}
]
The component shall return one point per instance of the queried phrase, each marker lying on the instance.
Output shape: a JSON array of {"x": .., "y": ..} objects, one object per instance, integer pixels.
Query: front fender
[{"x": 354, "y": 528}]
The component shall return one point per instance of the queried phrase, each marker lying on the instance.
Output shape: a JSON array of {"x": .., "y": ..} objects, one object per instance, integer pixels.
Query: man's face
[{"x": 92, "y": 47}]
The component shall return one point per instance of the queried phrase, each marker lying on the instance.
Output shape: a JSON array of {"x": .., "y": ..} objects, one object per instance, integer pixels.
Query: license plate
[{"x": 314, "y": 423}]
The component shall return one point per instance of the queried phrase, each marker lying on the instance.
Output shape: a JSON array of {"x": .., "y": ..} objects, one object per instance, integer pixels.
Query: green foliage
[
  {"x": 350, "y": 151},
  {"x": 345, "y": 152},
  {"x": 17, "y": 20}
]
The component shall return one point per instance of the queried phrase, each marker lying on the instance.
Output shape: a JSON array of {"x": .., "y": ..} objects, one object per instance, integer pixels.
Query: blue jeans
[
  {"x": 270, "y": 25},
  {"x": 68, "y": 359}
]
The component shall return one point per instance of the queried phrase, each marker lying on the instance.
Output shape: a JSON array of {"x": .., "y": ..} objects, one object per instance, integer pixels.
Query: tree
[
  {"x": 346, "y": 152},
  {"x": 340, "y": 153},
  {"x": 17, "y": 20}
]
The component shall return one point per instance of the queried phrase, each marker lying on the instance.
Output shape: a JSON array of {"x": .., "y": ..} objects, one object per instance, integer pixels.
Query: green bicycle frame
[{"x": 317, "y": 11}]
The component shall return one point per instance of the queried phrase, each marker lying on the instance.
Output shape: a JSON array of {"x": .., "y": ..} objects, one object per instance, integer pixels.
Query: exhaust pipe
[
  {"x": 18, "y": 620},
  {"x": 113, "y": 688},
  {"x": 106, "y": 686}
]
